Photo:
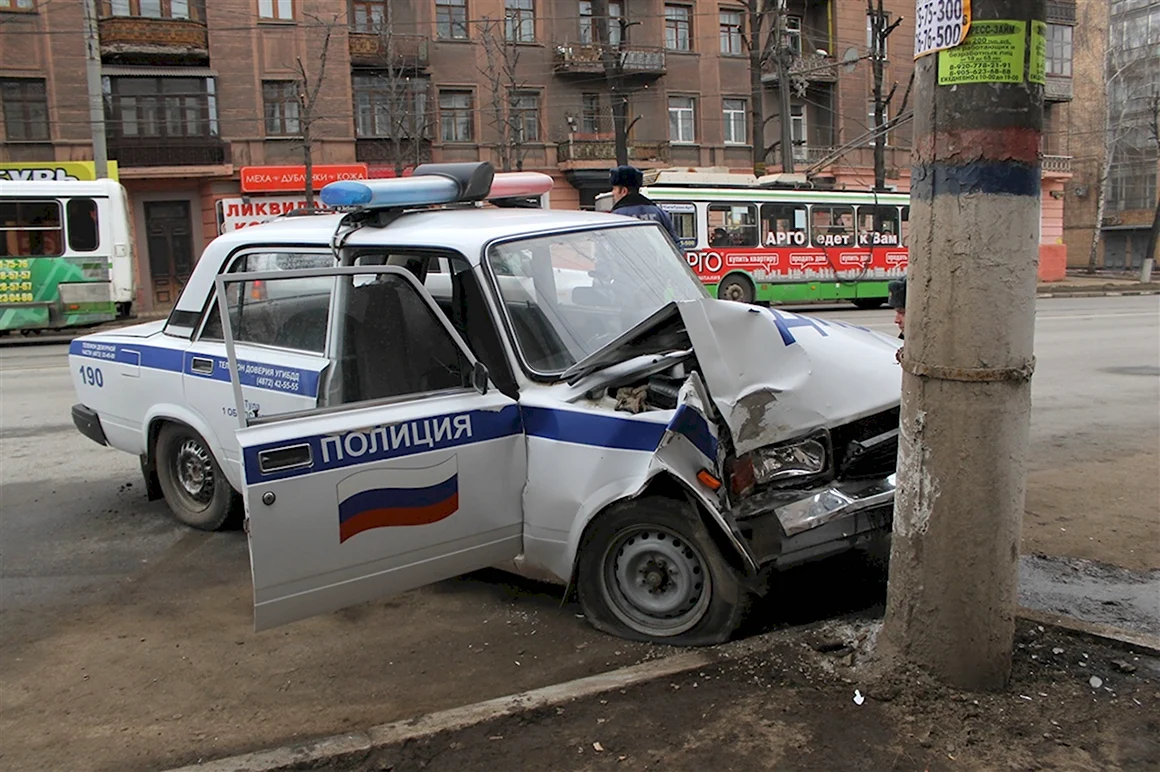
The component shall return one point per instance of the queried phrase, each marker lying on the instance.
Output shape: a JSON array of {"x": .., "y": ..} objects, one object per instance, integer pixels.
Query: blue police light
[{"x": 391, "y": 193}]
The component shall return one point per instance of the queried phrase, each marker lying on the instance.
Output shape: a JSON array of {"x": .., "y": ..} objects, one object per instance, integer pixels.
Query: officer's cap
[
  {"x": 897, "y": 294},
  {"x": 626, "y": 176}
]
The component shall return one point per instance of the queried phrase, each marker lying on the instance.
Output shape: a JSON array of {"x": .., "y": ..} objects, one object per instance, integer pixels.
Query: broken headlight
[{"x": 803, "y": 457}]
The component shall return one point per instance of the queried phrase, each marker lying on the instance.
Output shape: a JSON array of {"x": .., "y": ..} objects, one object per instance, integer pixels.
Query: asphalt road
[
  {"x": 75, "y": 520},
  {"x": 129, "y": 623}
]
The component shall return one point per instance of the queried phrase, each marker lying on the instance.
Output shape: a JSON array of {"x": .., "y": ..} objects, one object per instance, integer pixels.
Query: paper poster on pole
[
  {"x": 940, "y": 24},
  {"x": 1037, "y": 69},
  {"x": 993, "y": 53}
]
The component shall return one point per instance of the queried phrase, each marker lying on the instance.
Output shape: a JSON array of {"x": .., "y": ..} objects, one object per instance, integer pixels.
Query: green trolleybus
[
  {"x": 66, "y": 256},
  {"x": 763, "y": 240}
]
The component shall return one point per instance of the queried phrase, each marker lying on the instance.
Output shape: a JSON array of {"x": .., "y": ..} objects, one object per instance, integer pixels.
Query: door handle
[
  {"x": 281, "y": 459},
  {"x": 202, "y": 365}
]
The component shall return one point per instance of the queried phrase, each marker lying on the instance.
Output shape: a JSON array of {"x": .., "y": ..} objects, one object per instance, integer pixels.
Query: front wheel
[
  {"x": 649, "y": 571},
  {"x": 194, "y": 486}
]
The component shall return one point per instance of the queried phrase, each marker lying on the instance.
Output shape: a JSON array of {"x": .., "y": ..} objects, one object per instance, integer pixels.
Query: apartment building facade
[{"x": 204, "y": 120}]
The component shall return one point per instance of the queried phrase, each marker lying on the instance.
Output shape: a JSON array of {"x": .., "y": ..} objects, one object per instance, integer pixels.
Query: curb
[
  {"x": 1095, "y": 294},
  {"x": 333, "y": 749},
  {"x": 1141, "y": 643}
]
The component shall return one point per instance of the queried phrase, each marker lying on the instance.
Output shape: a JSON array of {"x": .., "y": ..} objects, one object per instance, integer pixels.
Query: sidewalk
[{"x": 795, "y": 700}]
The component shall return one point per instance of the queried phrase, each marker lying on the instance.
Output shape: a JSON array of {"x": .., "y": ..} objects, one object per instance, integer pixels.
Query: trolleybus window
[
  {"x": 31, "y": 229},
  {"x": 83, "y": 233},
  {"x": 878, "y": 226},
  {"x": 784, "y": 225},
  {"x": 684, "y": 217},
  {"x": 732, "y": 225},
  {"x": 832, "y": 226},
  {"x": 904, "y": 228}
]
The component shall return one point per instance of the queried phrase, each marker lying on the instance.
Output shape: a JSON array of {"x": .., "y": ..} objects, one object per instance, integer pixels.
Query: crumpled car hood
[{"x": 775, "y": 375}]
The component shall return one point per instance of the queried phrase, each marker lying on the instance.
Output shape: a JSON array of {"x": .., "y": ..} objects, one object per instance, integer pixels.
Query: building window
[
  {"x": 456, "y": 116},
  {"x": 281, "y": 100},
  {"x": 277, "y": 10},
  {"x": 678, "y": 28},
  {"x": 588, "y": 29},
  {"x": 872, "y": 126},
  {"x": 793, "y": 34},
  {"x": 26, "y": 6},
  {"x": 161, "y": 108},
  {"x": 451, "y": 19},
  {"x": 388, "y": 106},
  {"x": 525, "y": 116},
  {"x": 155, "y": 9},
  {"x": 731, "y": 26},
  {"x": 735, "y": 133},
  {"x": 590, "y": 122},
  {"x": 1131, "y": 186},
  {"x": 25, "y": 105},
  {"x": 369, "y": 15},
  {"x": 520, "y": 17},
  {"x": 884, "y": 22},
  {"x": 681, "y": 120},
  {"x": 797, "y": 118},
  {"x": 1059, "y": 50}
]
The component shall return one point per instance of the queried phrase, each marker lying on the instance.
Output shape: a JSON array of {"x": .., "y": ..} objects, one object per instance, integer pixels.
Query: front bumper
[
  {"x": 786, "y": 528},
  {"x": 88, "y": 423}
]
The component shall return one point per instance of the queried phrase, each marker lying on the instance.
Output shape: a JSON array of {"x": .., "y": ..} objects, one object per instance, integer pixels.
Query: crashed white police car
[{"x": 421, "y": 385}]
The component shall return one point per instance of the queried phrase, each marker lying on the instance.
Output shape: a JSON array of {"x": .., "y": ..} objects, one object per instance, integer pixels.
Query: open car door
[{"x": 410, "y": 470}]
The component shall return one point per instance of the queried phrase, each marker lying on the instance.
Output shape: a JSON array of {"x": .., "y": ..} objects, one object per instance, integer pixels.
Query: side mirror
[{"x": 479, "y": 377}]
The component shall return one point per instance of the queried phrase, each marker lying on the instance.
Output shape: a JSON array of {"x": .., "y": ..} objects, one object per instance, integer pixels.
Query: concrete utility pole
[
  {"x": 967, "y": 364},
  {"x": 783, "y": 86},
  {"x": 96, "y": 97}
]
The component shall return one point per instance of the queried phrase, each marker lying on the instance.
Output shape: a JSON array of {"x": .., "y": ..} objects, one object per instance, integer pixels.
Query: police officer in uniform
[
  {"x": 897, "y": 301},
  {"x": 627, "y": 200}
]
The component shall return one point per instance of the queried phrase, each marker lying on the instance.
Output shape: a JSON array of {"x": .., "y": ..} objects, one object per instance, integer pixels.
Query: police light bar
[{"x": 434, "y": 184}]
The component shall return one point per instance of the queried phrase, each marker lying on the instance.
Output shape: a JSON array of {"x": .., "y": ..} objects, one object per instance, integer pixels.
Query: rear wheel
[
  {"x": 195, "y": 488},
  {"x": 736, "y": 288},
  {"x": 868, "y": 304},
  {"x": 649, "y": 571}
]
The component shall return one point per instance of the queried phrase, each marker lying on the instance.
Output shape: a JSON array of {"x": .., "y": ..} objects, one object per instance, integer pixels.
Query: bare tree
[
  {"x": 760, "y": 46},
  {"x": 506, "y": 93},
  {"x": 307, "y": 88},
  {"x": 1154, "y": 234},
  {"x": 400, "y": 107},
  {"x": 612, "y": 57},
  {"x": 1126, "y": 128}
]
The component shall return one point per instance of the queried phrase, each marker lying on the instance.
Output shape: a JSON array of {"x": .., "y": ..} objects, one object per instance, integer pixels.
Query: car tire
[
  {"x": 649, "y": 571},
  {"x": 739, "y": 289},
  {"x": 198, "y": 493},
  {"x": 868, "y": 304}
]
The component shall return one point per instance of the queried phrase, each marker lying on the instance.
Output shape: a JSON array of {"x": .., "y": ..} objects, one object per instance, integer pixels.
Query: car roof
[{"x": 465, "y": 230}]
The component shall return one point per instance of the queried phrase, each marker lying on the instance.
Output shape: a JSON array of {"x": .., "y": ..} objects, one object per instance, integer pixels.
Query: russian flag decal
[{"x": 381, "y": 498}]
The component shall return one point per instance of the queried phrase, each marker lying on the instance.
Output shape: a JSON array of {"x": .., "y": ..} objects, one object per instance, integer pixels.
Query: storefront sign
[
  {"x": 235, "y": 213},
  {"x": 292, "y": 179},
  {"x": 47, "y": 171}
]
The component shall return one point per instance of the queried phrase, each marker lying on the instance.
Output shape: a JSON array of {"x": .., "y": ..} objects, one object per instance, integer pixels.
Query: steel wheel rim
[
  {"x": 194, "y": 473},
  {"x": 734, "y": 292},
  {"x": 655, "y": 581}
]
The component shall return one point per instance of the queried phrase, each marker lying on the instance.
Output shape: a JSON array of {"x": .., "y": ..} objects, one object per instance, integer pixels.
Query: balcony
[
  {"x": 604, "y": 151},
  {"x": 385, "y": 151},
  {"x": 1057, "y": 164},
  {"x": 147, "y": 39},
  {"x": 582, "y": 59},
  {"x": 1057, "y": 89},
  {"x": 177, "y": 151},
  {"x": 814, "y": 68},
  {"x": 374, "y": 49}
]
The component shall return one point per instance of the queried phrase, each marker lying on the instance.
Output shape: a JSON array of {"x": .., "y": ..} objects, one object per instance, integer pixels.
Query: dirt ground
[{"x": 794, "y": 708}]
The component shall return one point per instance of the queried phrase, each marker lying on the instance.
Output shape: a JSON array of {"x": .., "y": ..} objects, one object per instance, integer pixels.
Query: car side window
[
  {"x": 288, "y": 314},
  {"x": 391, "y": 344}
]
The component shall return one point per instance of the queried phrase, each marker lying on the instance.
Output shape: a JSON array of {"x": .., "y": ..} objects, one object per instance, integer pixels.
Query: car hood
[{"x": 776, "y": 375}]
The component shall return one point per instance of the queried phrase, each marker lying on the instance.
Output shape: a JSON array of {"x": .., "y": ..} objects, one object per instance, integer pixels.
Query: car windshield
[{"x": 570, "y": 294}]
